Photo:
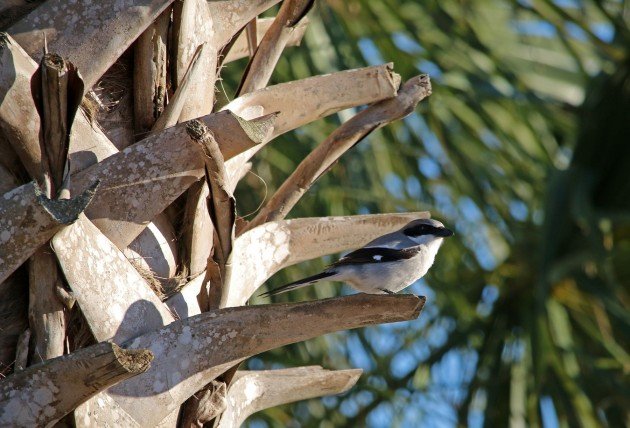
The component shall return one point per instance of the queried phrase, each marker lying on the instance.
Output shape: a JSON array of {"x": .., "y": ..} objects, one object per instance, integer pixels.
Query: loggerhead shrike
[{"x": 387, "y": 264}]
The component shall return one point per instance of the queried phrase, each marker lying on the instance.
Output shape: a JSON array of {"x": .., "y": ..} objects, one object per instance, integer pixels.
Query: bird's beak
[{"x": 445, "y": 233}]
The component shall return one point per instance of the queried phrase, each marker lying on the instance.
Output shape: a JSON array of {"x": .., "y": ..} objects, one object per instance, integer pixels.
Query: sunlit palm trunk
[{"x": 183, "y": 332}]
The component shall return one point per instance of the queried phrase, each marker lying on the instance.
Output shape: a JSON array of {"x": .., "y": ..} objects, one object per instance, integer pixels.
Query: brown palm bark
[{"x": 176, "y": 182}]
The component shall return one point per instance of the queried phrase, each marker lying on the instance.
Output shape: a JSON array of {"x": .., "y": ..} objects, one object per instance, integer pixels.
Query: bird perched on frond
[{"x": 385, "y": 265}]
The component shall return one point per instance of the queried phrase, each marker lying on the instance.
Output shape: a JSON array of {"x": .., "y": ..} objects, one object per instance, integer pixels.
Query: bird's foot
[{"x": 386, "y": 291}]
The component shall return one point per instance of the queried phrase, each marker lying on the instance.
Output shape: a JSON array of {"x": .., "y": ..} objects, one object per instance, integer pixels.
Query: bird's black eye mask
[
  {"x": 427, "y": 229},
  {"x": 419, "y": 230}
]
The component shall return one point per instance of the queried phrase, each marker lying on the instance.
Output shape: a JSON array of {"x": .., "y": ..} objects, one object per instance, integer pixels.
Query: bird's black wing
[{"x": 376, "y": 255}]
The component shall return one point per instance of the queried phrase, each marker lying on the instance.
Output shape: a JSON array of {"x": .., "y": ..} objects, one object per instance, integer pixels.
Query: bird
[{"x": 385, "y": 265}]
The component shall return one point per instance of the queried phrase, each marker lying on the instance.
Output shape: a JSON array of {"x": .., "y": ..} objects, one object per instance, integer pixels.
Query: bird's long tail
[{"x": 300, "y": 283}]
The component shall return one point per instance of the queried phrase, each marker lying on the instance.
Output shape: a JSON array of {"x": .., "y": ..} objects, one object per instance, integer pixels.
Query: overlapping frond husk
[
  {"x": 23, "y": 230},
  {"x": 205, "y": 405},
  {"x": 210, "y": 25},
  {"x": 150, "y": 83},
  {"x": 141, "y": 181},
  {"x": 58, "y": 89},
  {"x": 240, "y": 48},
  {"x": 221, "y": 203},
  {"x": 192, "y": 352},
  {"x": 47, "y": 314},
  {"x": 170, "y": 115},
  {"x": 303, "y": 101},
  {"x": 214, "y": 24},
  {"x": 14, "y": 315},
  {"x": 197, "y": 233},
  {"x": 44, "y": 393},
  {"x": 19, "y": 120},
  {"x": 253, "y": 391},
  {"x": 21, "y": 123},
  {"x": 116, "y": 301},
  {"x": 103, "y": 412},
  {"x": 262, "y": 63},
  {"x": 184, "y": 304},
  {"x": 88, "y": 144},
  {"x": 155, "y": 249},
  {"x": 13, "y": 10},
  {"x": 194, "y": 26},
  {"x": 234, "y": 15},
  {"x": 10, "y": 167},
  {"x": 100, "y": 31}
]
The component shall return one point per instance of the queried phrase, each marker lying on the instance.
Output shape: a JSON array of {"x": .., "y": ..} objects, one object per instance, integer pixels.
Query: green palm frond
[{"x": 523, "y": 147}]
